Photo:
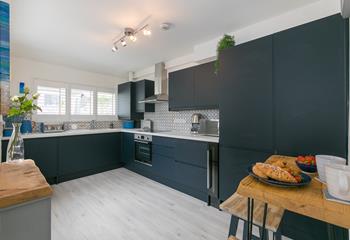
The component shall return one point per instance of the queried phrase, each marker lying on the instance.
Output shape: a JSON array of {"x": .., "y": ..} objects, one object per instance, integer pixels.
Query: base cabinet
[
  {"x": 64, "y": 158},
  {"x": 44, "y": 152},
  {"x": 88, "y": 154}
]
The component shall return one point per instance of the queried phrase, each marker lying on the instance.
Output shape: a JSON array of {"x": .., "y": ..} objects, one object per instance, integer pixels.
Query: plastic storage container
[{"x": 128, "y": 124}]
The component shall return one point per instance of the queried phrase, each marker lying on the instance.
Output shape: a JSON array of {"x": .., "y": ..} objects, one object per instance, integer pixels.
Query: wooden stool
[{"x": 236, "y": 205}]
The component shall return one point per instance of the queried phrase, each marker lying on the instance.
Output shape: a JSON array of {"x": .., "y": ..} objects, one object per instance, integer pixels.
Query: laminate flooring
[{"x": 121, "y": 204}]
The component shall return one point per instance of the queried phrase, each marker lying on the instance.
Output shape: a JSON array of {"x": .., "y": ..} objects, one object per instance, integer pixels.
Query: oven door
[{"x": 143, "y": 152}]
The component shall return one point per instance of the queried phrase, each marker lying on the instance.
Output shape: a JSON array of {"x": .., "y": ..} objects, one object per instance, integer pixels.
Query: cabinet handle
[{"x": 208, "y": 169}]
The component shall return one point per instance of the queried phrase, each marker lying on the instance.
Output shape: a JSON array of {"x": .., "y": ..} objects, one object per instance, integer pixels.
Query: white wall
[
  {"x": 206, "y": 51},
  {"x": 25, "y": 70},
  {"x": 30, "y": 72}
]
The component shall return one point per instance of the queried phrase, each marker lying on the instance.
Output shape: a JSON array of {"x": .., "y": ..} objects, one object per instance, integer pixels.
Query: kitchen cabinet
[
  {"x": 181, "y": 89},
  {"x": 127, "y": 148},
  {"x": 311, "y": 88},
  {"x": 246, "y": 100},
  {"x": 144, "y": 89},
  {"x": 206, "y": 86},
  {"x": 83, "y": 155},
  {"x": 127, "y": 102},
  {"x": 194, "y": 88},
  {"x": 233, "y": 167},
  {"x": 44, "y": 152}
]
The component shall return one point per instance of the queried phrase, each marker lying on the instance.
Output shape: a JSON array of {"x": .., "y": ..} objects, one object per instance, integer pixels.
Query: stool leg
[
  {"x": 250, "y": 217},
  {"x": 233, "y": 226},
  {"x": 263, "y": 231},
  {"x": 248, "y": 220}
]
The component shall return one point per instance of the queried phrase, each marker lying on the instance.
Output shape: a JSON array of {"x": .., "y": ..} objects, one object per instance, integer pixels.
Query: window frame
[
  {"x": 107, "y": 117},
  {"x": 51, "y": 117},
  {"x": 71, "y": 117}
]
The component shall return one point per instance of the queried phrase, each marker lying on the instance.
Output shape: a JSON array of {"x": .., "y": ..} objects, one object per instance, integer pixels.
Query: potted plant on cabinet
[
  {"x": 22, "y": 108},
  {"x": 225, "y": 42}
]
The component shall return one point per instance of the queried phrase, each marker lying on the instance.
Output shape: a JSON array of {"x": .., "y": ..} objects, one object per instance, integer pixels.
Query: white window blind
[
  {"x": 52, "y": 100},
  {"x": 82, "y": 102},
  {"x": 105, "y": 103}
]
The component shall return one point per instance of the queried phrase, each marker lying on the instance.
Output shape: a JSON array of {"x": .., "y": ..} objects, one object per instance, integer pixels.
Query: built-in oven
[{"x": 143, "y": 149}]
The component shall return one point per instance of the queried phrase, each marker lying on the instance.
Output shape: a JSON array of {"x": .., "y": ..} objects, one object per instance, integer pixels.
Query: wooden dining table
[{"x": 307, "y": 200}]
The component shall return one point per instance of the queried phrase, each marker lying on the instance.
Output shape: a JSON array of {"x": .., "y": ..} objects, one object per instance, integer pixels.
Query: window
[
  {"x": 82, "y": 102},
  {"x": 105, "y": 103},
  {"x": 52, "y": 100}
]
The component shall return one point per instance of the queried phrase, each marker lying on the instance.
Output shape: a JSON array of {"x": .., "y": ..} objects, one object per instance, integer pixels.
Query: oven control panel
[{"x": 142, "y": 137}]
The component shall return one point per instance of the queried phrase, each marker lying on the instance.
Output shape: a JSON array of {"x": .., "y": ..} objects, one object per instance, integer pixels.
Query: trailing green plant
[
  {"x": 225, "y": 42},
  {"x": 23, "y": 106}
]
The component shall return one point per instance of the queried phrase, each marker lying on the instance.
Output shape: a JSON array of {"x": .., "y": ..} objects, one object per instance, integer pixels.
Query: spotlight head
[
  {"x": 147, "y": 32},
  {"x": 133, "y": 38},
  {"x": 114, "y": 48},
  {"x": 123, "y": 42}
]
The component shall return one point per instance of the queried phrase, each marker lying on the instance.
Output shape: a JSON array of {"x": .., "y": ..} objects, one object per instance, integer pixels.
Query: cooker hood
[{"x": 161, "y": 85}]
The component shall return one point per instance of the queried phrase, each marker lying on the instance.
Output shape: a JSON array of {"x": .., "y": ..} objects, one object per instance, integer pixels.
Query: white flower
[
  {"x": 36, "y": 95},
  {"x": 14, "y": 99}
]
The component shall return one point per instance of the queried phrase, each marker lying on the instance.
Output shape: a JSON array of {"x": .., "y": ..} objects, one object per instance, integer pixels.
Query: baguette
[
  {"x": 275, "y": 172},
  {"x": 259, "y": 173}
]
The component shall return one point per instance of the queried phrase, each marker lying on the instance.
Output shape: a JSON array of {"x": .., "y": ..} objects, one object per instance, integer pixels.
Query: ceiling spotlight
[
  {"x": 123, "y": 42},
  {"x": 147, "y": 32},
  {"x": 131, "y": 34},
  {"x": 114, "y": 48},
  {"x": 133, "y": 38}
]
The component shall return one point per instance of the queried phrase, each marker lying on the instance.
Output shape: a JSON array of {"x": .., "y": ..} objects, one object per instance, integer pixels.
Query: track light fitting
[{"x": 130, "y": 33}]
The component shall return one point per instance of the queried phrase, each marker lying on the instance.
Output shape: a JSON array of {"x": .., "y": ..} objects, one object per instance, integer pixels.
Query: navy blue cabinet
[
  {"x": 311, "y": 88},
  {"x": 127, "y": 102},
  {"x": 181, "y": 90},
  {"x": 286, "y": 94},
  {"x": 246, "y": 102},
  {"x": 233, "y": 167},
  {"x": 44, "y": 152},
  {"x": 144, "y": 89},
  {"x": 83, "y": 155},
  {"x": 127, "y": 148},
  {"x": 206, "y": 86},
  {"x": 194, "y": 88}
]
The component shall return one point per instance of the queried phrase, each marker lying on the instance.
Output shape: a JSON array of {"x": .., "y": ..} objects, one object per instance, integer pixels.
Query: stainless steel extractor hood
[{"x": 161, "y": 85}]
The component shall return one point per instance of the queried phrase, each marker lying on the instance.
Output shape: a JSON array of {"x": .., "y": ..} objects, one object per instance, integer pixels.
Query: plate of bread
[{"x": 279, "y": 173}]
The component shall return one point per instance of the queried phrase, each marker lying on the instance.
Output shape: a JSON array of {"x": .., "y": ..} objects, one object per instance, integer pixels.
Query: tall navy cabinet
[
  {"x": 310, "y": 72},
  {"x": 284, "y": 94}
]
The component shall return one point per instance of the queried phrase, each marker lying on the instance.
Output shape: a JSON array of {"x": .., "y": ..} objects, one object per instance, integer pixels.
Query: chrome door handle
[{"x": 208, "y": 169}]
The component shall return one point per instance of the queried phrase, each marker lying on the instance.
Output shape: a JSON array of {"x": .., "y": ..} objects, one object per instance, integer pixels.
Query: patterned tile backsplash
[{"x": 180, "y": 121}]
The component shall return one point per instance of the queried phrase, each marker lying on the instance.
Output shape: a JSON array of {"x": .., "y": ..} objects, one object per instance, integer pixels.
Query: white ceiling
[{"x": 79, "y": 33}]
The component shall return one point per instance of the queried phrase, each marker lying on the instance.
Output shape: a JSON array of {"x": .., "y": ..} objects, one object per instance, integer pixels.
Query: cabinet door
[
  {"x": 44, "y": 152},
  {"x": 310, "y": 75},
  {"x": 233, "y": 165},
  {"x": 124, "y": 100},
  {"x": 192, "y": 153},
  {"x": 128, "y": 148},
  {"x": 87, "y": 154},
  {"x": 181, "y": 89},
  {"x": 144, "y": 89},
  {"x": 206, "y": 86},
  {"x": 246, "y": 109}
]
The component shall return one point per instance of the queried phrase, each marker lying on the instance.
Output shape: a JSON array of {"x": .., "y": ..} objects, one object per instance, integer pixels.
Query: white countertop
[{"x": 169, "y": 134}]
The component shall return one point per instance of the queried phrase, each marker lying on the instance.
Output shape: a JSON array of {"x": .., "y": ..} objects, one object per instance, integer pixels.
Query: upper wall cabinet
[
  {"x": 246, "y": 102},
  {"x": 193, "y": 88},
  {"x": 127, "y": 102},
  {"x": 181, "y": 90},
  {"x": 206, "y": 86},
  {"x": 310, "y": 72},
  {"x": 144, "y": 89}
]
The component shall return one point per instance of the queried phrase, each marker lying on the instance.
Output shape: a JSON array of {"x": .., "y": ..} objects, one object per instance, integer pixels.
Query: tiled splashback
[
  {"x": 98, "y": 124},
  {"x": 176, "y": 121}
]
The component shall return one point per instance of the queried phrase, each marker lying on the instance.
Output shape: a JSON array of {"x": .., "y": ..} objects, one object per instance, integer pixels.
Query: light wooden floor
[{"x": 120, "y": 204}]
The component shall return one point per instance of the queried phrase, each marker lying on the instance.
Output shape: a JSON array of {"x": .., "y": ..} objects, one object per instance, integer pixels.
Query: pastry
[
  {"x": 259, "y": 173},
  {"x": 275, "y": 172}
]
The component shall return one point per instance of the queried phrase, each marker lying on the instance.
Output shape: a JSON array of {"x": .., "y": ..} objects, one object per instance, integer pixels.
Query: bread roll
[
  {"x": 259, "y": 173},
  {"x": 275, "y": 172}
]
